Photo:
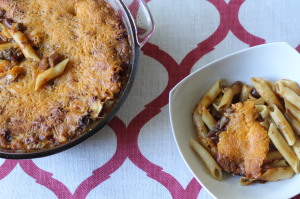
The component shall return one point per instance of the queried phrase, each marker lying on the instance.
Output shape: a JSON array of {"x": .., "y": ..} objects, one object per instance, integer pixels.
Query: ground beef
[{"x": 12, "y": 54}]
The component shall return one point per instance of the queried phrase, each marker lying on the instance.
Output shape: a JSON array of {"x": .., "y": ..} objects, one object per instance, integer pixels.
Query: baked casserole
[{"x": 63, "y": 64}]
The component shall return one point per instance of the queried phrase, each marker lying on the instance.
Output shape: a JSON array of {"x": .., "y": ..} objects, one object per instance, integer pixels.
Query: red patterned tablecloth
[{"x": 135, "y": 155}]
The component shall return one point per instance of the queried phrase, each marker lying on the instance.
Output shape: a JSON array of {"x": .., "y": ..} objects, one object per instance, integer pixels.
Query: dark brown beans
[
  {"x": 213, "y": 135},
  {"x": 255, "y": 94},
  {"x": 19, "y": 26},
  {"x": 84, "y": 121},
  {"x": 214, "y": 112},
  {"x": 260, "y": 119},
  {"x": 2, "y": 14},
  {"x": 6, "y": 134},
  {"x": 17, "y": 55},
  {"x": 218, "y": 128},
  {"x": 235, "y": 99}
]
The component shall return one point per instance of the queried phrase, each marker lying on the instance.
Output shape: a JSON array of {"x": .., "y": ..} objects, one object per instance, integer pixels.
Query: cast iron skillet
[{"x": 137, "y": 41}]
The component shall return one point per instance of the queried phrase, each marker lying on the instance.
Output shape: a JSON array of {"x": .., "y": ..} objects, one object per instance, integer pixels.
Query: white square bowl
[{"x": 272, "y": 62}]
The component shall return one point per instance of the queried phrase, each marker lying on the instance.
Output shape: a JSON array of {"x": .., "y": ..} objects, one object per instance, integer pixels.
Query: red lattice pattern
[{"x": 127, "y": 135}]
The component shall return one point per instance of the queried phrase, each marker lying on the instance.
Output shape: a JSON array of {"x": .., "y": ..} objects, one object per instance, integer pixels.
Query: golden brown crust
[
  {"x": 243, "y": 147},
  {"x": 92, "y": 36}
]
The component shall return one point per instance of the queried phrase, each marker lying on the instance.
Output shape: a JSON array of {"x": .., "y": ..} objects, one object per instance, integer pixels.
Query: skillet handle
[{"x": 142, "y": 18}]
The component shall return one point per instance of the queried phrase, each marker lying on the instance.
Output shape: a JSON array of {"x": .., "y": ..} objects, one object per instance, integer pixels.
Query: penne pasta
[
  {"x": 246, "y": 181},
  {"x": 5, "y": 31},
  {"x": 288, "y": 94},
  {"x": 217, "y": 100},
  {"x": 236, "y": 87},
  {"x": 295, "y": 124},
  {"x": 278, "y": 173},
  {"x": 290, "y": 84},
  {"x": 259, "y": 101},
  {"x": 225, "y": 140},
  {"x": 209, "y": 97},
  {"x": 51, "y": 73},
  {"x": 226, "y": 99},
  {"x": 14, "y": 72},
  {"x": 274, "y": 155},
  {"x": 229, "y": 93},
  {"x": 266, "y": 92},
  {"x": 271, "y": 85},
  {"x": 24, "y": 44},
  {"x": 207, "y": 158},
  {"x": 208, "y": 119},
  {"x": 96, "y": 109},
  {"x": 199, "y": 124},
  {"x": 278, "y": 163},
  {"x": 215, "y": 106},
  {"x": 265, "y": 124},
  {"x": 8, "y": 45},
  {"x": 282, "y": 123},
  {"x": 292, "y": 110},
  {"x": 283, "y": 147},
  {"x": 245, "y": 92},
  {"x": 296, "y": 148},
  {"x": 263, "y": 110}
]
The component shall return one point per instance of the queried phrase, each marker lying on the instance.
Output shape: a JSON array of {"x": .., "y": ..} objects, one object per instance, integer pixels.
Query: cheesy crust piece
[{"x": 243, "y": 147}]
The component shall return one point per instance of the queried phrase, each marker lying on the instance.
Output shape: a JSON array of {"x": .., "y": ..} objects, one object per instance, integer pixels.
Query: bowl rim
[{"x": 222, "y": 58}]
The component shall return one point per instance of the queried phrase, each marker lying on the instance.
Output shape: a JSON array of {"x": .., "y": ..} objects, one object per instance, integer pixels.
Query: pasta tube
[
  {"x": 296, "y": 148},
  {"x": 208, "y": 119},
  {"x": 266, "y": 92},
  {"x": 292, "y": 109},
  {"x": 279, "y": 163},
  {"x": 274, "y": 155},
  {"x": 209, "y": 97},
  {"x": 288, "y": 94},
  {"x": 236, "y": 87},
  {"x": 246, "y": 90},
  {"x": 259, "y": 101},
  {"x": 282, "y": 123},
  {"x": 199, "y": 124},
  {"x": 278, "y": 173},
  {"x": 209, "y": 161},
  {"x": 263, "y": 110},
  {"x": 283, "y": 147},
  {"x": 290, "y": 84},
  {"x": 24, "y": 45},
  {"x": 226, "y": 99},
  {"x": 295, "y": 124},
  {"x": 4, "y": 30},
  {"x": 51, "y": 73},
  {"x": 8, "y": 45}
]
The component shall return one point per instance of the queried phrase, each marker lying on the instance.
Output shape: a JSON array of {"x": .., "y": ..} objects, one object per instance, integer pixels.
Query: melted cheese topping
[
  {"x": 242, "y": 148},
  {"x": 92, "y": 36}
]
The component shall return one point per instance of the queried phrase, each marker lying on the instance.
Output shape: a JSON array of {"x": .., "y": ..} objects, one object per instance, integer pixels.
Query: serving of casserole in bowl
[
  {"x": 65, "y": 69},
  {"x": 235, "y": 123}
]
